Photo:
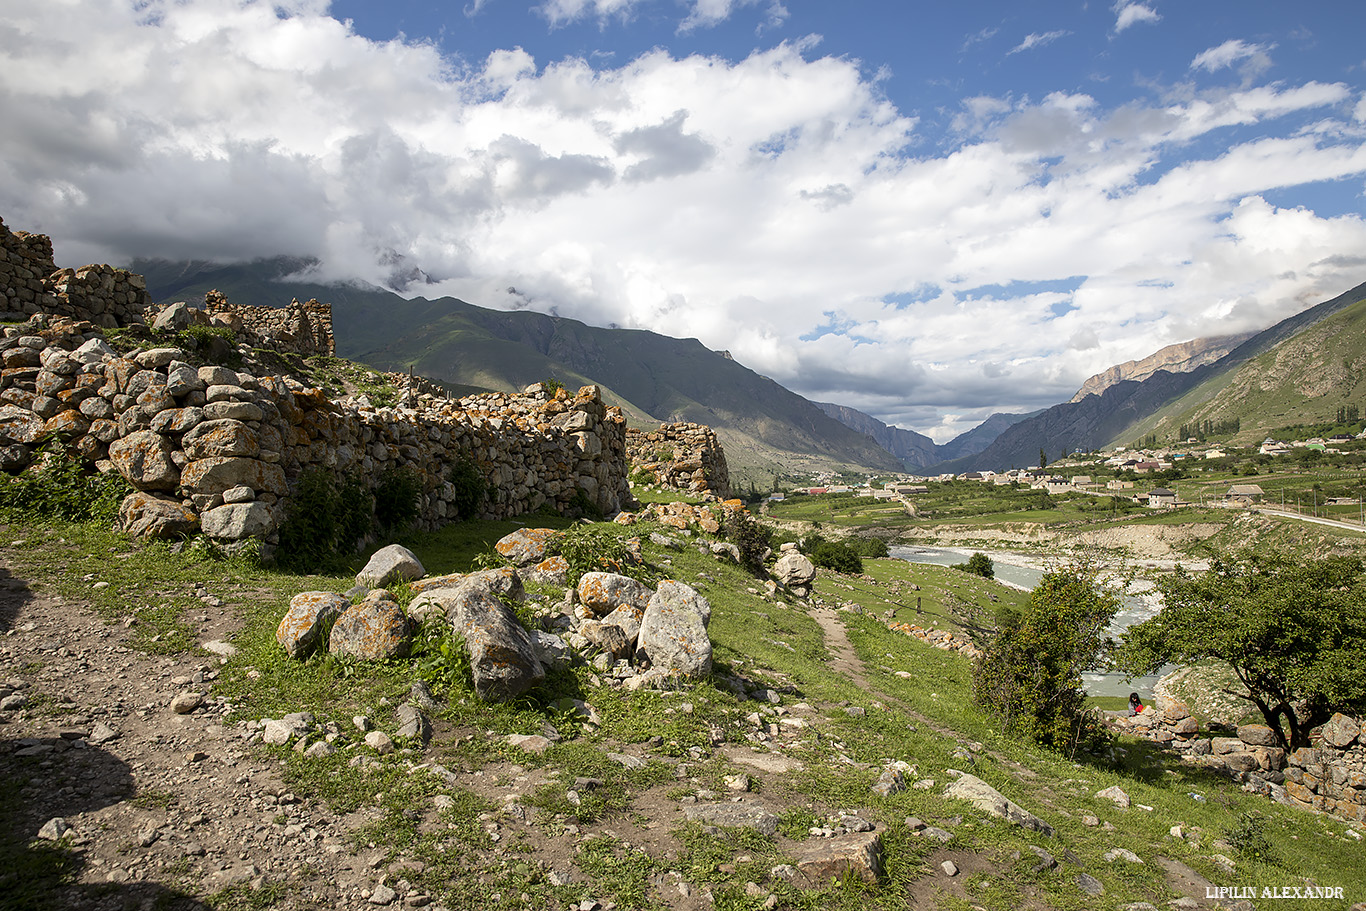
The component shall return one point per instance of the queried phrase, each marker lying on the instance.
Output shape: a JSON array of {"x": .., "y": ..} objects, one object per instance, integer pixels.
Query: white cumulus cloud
[{"x": 778, "y": 206}]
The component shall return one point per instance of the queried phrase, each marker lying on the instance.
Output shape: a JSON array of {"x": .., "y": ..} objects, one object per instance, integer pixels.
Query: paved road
[{"x": 1352, "y": 526}]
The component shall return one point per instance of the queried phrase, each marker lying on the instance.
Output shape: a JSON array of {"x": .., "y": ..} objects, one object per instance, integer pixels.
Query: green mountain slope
[
  {"x": 1302, "y": 380},
  {"x": 1130, "y": 410},
  {"x": 767, "y": 430}
]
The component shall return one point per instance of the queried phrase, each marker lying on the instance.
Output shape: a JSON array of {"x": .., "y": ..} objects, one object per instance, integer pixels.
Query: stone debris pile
[
  {"x": 682, "y": 456},
  {"x": 636, "y": 636}
]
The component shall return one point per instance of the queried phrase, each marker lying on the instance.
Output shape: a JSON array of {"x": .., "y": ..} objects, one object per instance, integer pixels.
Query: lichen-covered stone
[
  {"x": 603, "y": 593},
  {"x": 394, "y": 563},
  {"x": 144, "y": 459},
  {"x": 301, "y": 629},
  {"x": 144, "y": 515},
  {"x": 673, "y": 631},
  {"x": 526, "y": 545},
  {"x": 376, "y": 629}
]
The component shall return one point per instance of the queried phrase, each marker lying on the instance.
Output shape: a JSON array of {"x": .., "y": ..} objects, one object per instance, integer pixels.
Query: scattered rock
[
  {"x": 825, "y": 859},
  {"x": 987, "y": 799},
  {"x": 394, "y": 563}
]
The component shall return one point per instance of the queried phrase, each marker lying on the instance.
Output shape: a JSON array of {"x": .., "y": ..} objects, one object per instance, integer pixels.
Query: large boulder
[
  {"x": 1340, "y": 731},
  {"x": 301, "y": 628},
  {"x": 673, "y": 632},
  {"x": 602, "y": 593},
  {"x": 504, "y": 660},
  {"x": 394, "y": 563},
  {"x": 822, "y": 860},
  {"x": 376, "y": 629},
  {"x": 989, "y": 800},
  {"x": 526, "y": 545},
  {"x": 218, "y": 473},
  {"x": 794, "y": 570},
  {"x": 223, "y": 438},
  {"x": 234, "y": 521},
  {"x": 144, "y": 460},
  {"x": 144, "y": 515}
]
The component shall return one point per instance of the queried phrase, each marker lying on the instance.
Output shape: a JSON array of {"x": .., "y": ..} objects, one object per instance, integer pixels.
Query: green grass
[{"x": 917, "y": 708}]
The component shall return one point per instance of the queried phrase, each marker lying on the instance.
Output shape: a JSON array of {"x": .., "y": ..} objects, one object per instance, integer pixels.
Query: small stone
[
  {"x": 101, "y": 733},
  {"x": 949, "y": 868},
  {"x": 1116, "y": 794},
  {"x": 1089, "y": 884},
  {"x": 54, "y": 829},
  {"x": 186, "y": 703},
  {"x": 379, "y": 742},
  {"x": 1124, "y": 854},
  {"x": 382, "y": 895}
]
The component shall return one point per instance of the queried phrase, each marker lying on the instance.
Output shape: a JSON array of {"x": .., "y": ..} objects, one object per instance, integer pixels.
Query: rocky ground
[{"x": 169, "y": 802}]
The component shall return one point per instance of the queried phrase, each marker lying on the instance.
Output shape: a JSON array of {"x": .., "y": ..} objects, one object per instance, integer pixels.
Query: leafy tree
[
  {"x": 978, "y": 564},
  {"x": 1293, "y": 631},
  {"x": 829, "y": 554},
  {"x": 1030, "y": 676}
]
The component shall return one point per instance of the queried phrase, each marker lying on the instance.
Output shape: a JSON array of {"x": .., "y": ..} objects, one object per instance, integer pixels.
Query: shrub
[
  {"x": 834, "y": 555},
  {"x": 470, "y": 487},
  {"x": 396, "y": 498},
  {"x": 328, "y": 518},
  {"x": 1030, "y": 676},
  {"x": 598, "y": 548},
  {"x": 978, "y": 564},
  {"x": 58, "y": 486},
  {"x": 753, "y": 540},
  {"x": 868, "y": 547}
]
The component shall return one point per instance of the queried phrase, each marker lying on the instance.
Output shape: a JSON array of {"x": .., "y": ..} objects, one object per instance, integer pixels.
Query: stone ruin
[
  {"x": 212, "y": 449},
  {"x": 682, "y": 456},
  {"x": 1328, "y": 776},
  {"x": 31, "y": 283}
]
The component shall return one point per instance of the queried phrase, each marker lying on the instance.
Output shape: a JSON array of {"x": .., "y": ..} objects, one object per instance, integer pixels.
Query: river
[{"x": 1024, "y": 572}]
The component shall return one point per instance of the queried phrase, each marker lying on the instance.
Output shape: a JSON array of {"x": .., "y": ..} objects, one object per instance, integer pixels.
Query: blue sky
[{"x": 926, "y": 211}]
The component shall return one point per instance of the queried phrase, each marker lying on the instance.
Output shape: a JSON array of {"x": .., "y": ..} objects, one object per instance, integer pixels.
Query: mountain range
[
  {"x": 915, "y": 450},
  {"x": 767, "y": 430},
  {"x": 1299, "y": 370}
]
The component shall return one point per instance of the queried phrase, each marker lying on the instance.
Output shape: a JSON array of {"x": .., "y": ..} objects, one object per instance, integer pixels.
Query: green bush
[
  {"x": 753, "y": 540},
  {"x": 835, "y": 555},
  {"x": 868, "y": 547},
  {"x": 1030, "y": 676},
  {"x": 328, "y": 519},
  {"x": 58, "y": 486},
  {"x": 396, "y": 498},
  {"x": 470, "y": 487},
  {"x": 978, "y": 564},
  {"x": 598, "y": 548}
]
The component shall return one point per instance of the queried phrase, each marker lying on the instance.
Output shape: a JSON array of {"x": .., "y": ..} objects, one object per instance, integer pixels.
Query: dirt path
[{"x": 844, "y": 661}]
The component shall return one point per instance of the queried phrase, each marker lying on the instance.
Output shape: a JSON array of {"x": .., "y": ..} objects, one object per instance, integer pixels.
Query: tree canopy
[
  {"x": 1293, "y": 631},
  {"x": 1030, "y": 676}
]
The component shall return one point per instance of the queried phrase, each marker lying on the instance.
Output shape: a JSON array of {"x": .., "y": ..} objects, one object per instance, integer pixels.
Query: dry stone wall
[
  {"x": 1329, "y": 775},
  {"x": 219, "y": 450},
  {"x": 31, "y": 283},
  {"x": 682, "y": 456},
  {"x": 305, "y": 328}
]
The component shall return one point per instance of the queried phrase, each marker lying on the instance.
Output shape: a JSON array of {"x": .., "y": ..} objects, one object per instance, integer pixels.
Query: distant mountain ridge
[
  {"x": 1129, "y": 409},
  {"x": 767, "y": 430},
  {"x": 915, "y": 450},
  {"x": 1179, "y": 358}
]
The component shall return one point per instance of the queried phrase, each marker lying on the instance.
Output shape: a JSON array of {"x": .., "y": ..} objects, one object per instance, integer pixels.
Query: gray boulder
[
  {"x": 603, "y": 593},
  {"x": 301, "y": 628},
  {"x": 394, "y": 563},
  {"x": 144, "y": 460},
  {"x": 991, "y": 801},
  {"x": 526, "y": 545},
  {"x": 824, "y": 859},
  {"x": 235, "y": 521},
  {"x": 504, "y": 659},
  {"x": 673, "y": 632},
  {"x": 144, "y": 515},
  {"x": 794, "y": 570}
]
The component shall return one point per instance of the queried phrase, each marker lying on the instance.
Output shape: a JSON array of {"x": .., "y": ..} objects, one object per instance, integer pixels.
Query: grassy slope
[{"x": 918, "y": 709}]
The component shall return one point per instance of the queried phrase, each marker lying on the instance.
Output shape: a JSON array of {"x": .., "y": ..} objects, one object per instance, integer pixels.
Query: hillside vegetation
[{"x": 808, "y": 708}]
